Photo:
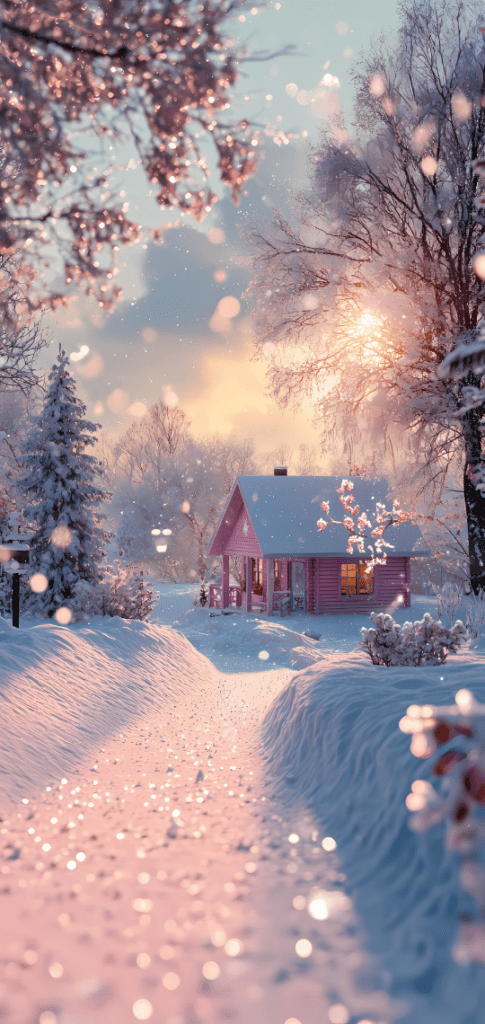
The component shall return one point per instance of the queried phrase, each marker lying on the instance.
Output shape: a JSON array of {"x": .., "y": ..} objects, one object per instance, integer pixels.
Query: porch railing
[
  {"x": 215, "y": 596},
  {"x": 281, "y": 599}
]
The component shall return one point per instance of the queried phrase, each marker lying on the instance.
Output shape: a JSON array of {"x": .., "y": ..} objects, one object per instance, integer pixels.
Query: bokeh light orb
[
  {"x": 142, "y": 1009},
  {"x": 61, "y": 537},
  {"x": 38, "y": 582},
  {"x": 63, "y": 616}
]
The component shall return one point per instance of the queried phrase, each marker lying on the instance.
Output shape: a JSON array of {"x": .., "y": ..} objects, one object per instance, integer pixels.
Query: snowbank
[
  {"x": 64, "y": 690},
  {"x": 332, "y": 745}
]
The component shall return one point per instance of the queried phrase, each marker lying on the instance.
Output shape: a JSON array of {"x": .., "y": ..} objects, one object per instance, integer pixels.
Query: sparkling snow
[{"x": 192, "y": 833}]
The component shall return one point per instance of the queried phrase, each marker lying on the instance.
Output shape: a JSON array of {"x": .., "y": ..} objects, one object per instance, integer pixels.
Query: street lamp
[{"x": 14, "y": 559}]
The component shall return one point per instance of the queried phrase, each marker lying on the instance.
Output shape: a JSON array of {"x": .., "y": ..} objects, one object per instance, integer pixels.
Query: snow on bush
[
  {"x": 126, "y": 593},
  {"x": 449, "y": 597},
  {"x": 458, "y": 732},
  {"x": 448, "y": 600},
  {"x": 425, "y": 640},
  {"x": 475, "y": 615}
]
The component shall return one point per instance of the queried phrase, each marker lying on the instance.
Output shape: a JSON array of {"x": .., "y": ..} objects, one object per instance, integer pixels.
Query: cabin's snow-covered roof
[{"x": 284, "y": 511}]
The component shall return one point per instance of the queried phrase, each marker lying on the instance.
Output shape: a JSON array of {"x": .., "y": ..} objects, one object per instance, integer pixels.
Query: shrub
[
  {"x": 448, "y": 600},
  {"x": 126, "y": 593},
  {"x": 425, "y": 640},
  {"x": 122, "y": 592},
  {"x": 475, "y": 615}
]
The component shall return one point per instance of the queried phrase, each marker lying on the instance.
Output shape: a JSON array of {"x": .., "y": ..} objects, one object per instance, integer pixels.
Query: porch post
[
  {"x": 225, "y": 581},
  {"x": 270, "y": 587},
  {"x": 249, "y": 583},
  {"x": 407, "y": 577}
]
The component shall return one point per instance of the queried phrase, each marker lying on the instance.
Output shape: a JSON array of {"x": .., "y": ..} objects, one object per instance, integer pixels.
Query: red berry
[
  {"x": 442, "y": 732},
  {"x": 461, "y": 811},
  {"x": 448, "y": 761},
  {"x": 474, "y": 783}
]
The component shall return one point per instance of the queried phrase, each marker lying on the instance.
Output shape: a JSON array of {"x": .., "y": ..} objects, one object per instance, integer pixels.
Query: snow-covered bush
[
  {"x": 448, "y": 600},
  {"x": 414, "y": 643},
  {"x": 460, "y": 800},
  {"x": 475, "y": 614},
  {"x": 126, "y": 593},
  {"x": 449, "y": 597},
  {"x": 87, "y": 599},
  {"x": 122, "y": 592}
]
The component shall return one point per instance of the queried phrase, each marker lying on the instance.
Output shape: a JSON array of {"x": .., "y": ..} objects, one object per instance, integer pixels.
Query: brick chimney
[{"x": 280, "y": 470}]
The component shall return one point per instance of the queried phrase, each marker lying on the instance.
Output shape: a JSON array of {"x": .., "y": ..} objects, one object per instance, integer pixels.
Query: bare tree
[
  {"x": 21, "y": 334},
  {"x": 308, "y": 464},
  {"x": 147, "y": 444},
  {"x": 384, "y": 275},
  {"x": 156, "y": 76},
  {"x": 169, "y": 489},
  {"x": 14, "y": 422}
]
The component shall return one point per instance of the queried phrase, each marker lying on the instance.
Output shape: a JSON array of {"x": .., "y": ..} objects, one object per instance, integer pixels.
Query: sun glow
[{"x": 367, "y": 330}]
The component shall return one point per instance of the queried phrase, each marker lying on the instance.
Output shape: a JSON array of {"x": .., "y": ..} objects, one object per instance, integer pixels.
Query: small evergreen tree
[{"x": 60, "y": 483}]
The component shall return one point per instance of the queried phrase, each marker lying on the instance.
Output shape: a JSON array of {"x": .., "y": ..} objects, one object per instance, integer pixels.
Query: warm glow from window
[{"x": 355, "y": 579}]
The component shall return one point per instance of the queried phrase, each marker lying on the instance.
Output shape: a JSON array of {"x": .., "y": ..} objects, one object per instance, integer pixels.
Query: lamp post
[{"x": 14, "y": 558}]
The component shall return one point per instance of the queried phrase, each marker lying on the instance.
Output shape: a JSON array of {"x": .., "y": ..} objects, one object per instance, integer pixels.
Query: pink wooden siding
[
  {"x": 393, "y": 580},
  {"x": 243, "y": 542},
  {"x": 225, "y": 530},
  {"x": 390, "y": 581},
  {"x": 327, "y": 585}
]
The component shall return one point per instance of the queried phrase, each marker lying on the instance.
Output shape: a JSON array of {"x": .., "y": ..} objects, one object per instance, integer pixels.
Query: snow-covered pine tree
[{"x": 61, "y": 484}]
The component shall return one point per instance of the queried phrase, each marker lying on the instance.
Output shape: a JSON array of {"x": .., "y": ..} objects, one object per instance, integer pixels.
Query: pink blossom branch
[{"x": 357, "y": 531}]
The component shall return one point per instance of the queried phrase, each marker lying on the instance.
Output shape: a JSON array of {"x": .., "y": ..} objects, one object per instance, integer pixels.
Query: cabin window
[
  {"x": 276, "y": 574},
  {"x": 257, "y": 575},
  {"x": 355, "y": 580}
]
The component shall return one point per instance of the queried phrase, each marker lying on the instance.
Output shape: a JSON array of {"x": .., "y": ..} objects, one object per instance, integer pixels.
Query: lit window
[
  {"x": 276, "y": 574},
  {"x": 355, "y": 578},
  {"x": 257, "y": 575}
]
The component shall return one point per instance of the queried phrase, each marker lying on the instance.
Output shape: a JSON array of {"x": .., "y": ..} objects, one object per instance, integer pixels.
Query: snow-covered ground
[{"x": 165, "y": 791}]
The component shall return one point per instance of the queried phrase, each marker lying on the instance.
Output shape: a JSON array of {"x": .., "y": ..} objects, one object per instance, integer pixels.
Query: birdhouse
[{"x": 15, "y": 550}]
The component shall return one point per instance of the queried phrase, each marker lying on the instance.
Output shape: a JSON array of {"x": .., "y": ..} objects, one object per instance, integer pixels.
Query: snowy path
[{"x": 157, "y": 881}]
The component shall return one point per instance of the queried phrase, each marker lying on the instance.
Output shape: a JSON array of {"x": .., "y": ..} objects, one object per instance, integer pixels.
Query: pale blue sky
[{"x": 160, "y": 335}]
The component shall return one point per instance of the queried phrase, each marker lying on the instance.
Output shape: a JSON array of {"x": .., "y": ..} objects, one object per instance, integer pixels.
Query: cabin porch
[
  {"x": 317, "y": 585},
  {"x": 268, "y": 585}
]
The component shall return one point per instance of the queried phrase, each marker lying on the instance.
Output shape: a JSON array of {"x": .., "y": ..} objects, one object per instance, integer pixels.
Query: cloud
[
  {"x": 230, "y": 399},
  {"x": 189, "y": 317}
]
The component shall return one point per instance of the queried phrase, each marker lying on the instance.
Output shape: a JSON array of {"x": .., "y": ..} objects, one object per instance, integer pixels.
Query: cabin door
[{"x": 297, "y": 584}]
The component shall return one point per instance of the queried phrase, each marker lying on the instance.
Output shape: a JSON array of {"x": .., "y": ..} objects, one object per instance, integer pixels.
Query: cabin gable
[
  {"x": 227, "y": 523},
  {"x": 243, "y": 539}
]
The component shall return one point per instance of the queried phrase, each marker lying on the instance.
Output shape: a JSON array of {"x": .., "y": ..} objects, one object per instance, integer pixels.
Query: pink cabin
[{"x": 288, "y": 565}]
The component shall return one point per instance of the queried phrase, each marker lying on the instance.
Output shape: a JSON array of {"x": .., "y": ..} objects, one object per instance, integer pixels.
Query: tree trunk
[{"x": 474, "y": 499}]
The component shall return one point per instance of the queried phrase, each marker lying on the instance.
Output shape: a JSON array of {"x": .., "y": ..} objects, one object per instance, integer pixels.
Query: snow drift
[
  {"x": 63, "y": 691},
  {"x": 332, "y": 745}
]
